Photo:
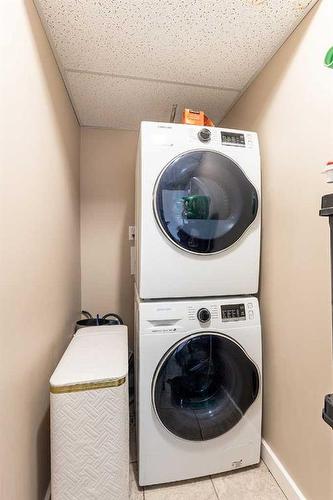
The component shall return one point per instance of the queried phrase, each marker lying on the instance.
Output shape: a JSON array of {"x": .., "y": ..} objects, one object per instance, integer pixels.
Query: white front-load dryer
[
  {"x": 197, "y": 211},
  {"x": 198, "y": 387}
]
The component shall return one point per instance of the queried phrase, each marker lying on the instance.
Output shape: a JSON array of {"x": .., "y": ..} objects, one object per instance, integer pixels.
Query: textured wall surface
[
  {"x": 107, "y": 209},
  {"x": 40, "y": 244},
  {"x": 290, "y": 106}
]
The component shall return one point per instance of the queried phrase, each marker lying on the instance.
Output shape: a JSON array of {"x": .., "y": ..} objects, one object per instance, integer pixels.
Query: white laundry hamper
[{"x": 89, "y": 417}]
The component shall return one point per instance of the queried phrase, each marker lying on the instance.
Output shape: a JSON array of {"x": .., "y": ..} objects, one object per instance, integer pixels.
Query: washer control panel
[
  {"x": 220, "y": 312},
  {"x": 203, "y": 315},
  {"x": 181, "y": 316},
  {"x": 250, "y": 312},
  {"x": 233, "y": 312}
]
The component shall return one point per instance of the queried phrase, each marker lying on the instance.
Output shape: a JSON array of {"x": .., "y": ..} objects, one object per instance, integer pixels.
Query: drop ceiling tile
[
  {"x": 220, "y": 43},
  {"x": 122, "y": 102}
]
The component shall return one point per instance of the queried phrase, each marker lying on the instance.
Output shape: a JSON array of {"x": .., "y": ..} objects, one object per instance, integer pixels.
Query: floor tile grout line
[
  {"x": 216, "y": 493},
  {"x": 214, "y": 487}
]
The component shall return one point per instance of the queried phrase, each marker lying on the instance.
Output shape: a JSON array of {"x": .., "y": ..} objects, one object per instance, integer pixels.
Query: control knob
[
  {"x": 203, "y": 315},
  {"x": 204, "y": 135}
]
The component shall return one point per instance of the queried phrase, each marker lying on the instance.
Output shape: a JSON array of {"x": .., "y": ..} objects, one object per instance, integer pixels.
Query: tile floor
[{"x": 253, "y": 483}]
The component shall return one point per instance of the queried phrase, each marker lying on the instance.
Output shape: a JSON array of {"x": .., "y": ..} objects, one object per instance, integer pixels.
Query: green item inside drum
[
  {"x": 196, "y": 207},
  {"x": 329, "y": 58}
]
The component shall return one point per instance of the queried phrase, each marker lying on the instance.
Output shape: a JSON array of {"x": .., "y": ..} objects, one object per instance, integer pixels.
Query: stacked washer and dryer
[{"x": 197, "y": 322}]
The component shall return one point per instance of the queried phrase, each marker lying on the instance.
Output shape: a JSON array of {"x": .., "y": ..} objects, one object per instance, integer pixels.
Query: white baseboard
[
  {"x": 280, "y": 473},
  {"x": 48, "y": 493}
]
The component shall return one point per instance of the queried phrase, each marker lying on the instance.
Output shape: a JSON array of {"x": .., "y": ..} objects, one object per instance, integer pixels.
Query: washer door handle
[{"x": 254, "y": 204}]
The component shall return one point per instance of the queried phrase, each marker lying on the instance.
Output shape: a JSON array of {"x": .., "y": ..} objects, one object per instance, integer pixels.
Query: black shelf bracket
[
  {"x": 328, "y": 410},
  {"x": 327, "y": 211}
]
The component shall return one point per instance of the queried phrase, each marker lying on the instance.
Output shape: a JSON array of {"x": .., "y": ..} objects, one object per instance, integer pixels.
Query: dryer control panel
[{"x": 232, "y": 138}]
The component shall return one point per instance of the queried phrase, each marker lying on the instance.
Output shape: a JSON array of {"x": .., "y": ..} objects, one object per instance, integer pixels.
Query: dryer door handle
[{"x": 255, "y": 384}]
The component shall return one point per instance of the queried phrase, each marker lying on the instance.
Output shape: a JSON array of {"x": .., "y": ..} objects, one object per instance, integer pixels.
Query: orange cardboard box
[{"x": 191, "y": 117}]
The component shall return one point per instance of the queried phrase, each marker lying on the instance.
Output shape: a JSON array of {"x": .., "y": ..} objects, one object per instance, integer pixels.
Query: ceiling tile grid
[
  {"x": 123, "y": 102},
  {"x": 108, "y": 44}
]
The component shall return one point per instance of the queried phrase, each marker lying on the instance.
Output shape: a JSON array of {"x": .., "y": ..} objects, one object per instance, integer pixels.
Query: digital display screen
[
  {"x": 233, "y": 312},
  {"x": 232, "y": 139}
]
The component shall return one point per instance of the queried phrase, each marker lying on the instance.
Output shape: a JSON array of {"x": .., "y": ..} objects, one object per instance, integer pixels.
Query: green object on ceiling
[{"x": 329, "y": 58}]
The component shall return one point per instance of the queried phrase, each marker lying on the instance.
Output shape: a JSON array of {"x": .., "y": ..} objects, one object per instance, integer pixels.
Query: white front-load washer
[
  {"x": 197, "y": 211},
  {"x": 198, "y": 387}
]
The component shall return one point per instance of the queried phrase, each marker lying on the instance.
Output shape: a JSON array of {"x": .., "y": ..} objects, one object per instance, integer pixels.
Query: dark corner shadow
[{"x": 43, "y": 456}]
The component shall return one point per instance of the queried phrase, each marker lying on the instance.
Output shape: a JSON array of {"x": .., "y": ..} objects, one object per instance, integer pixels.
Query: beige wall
[
  {"x": 39, "y": 247},
  {"x": 39, "y": 227},
  {"x": 107, "y": 209},
  {"x": 290, "y": 106}
]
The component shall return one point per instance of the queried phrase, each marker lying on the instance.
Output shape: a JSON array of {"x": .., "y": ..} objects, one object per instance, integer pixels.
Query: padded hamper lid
[{"x": 94, "y": 355}]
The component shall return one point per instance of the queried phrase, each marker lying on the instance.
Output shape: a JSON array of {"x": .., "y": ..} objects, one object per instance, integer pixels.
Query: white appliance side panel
[
  {"x": 90, "y": 445},
  {"x": 138, "y": 214}
]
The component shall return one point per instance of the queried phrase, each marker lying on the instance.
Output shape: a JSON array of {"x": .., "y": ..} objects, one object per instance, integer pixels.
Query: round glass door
[
  {"x": 204, "y": 386},
  {"x": 203, "y": 202}
]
